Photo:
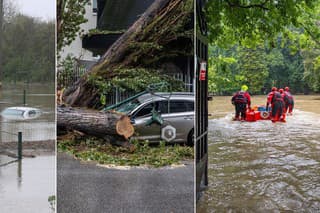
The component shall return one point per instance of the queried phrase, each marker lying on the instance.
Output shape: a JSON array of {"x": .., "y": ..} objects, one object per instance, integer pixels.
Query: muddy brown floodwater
[{"x": 263, "y": 166}]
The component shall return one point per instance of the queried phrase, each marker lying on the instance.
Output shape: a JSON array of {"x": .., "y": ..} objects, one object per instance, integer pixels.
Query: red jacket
[
  {"x": 241, "y": 97},
  {"x": 270, "y": 97}
]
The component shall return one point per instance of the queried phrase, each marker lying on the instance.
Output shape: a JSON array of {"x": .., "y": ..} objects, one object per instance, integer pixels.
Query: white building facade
[{"x": 75, "y": 48}]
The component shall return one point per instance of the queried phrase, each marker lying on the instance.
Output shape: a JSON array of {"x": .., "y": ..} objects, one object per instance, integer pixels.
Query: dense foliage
[
  {"x": 70, "y": 15},
  {"x": 264, "y": 43},
  {"x": 28, "y": 49},
  {"x": 260, "y": 68}
]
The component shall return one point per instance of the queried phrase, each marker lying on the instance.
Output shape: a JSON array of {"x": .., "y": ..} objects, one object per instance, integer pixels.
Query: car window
[
  {"x": 181, "y": 106},
  {"x": 32, "y": 112},
  {"x": 162, "y": 107},
  {"x": 128, "y": 106},
  {"x": 190, "y": 106},
  {"x": 145, "y": 111}
]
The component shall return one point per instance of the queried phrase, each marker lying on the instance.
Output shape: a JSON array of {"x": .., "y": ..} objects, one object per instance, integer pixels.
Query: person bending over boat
[
  {"x": 241, "y": 100},
  {"x": 288, "y": 100},
  {"x": 277, "y": 105}
]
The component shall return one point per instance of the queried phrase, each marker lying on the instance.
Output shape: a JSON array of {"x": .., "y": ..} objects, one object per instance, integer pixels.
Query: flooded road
[
  {"x": 26, "y": 186},
  {"x": 38, "y": 96},
  {"x": 263, "y": 166}
]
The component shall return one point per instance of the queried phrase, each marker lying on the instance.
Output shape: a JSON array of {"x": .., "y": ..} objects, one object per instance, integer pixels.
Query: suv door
[
  {"x": 140, "y": 119},
  {"x": 181, "y": 117}
]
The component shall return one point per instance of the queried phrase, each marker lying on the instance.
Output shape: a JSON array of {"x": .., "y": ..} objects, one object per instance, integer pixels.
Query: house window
[{"x": 94, "y": 6}]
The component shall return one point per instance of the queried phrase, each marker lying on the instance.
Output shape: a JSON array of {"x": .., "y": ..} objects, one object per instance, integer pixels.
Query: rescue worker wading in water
[
  {"x": 284, "y": 97},
  {"x": 288, "y": 100},
  {"x": 240, "y": 100},
  {"x": 277, "y": 105}
]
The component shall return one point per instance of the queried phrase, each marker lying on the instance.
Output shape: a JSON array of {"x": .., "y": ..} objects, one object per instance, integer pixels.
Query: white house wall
[{"x": 75, "y": 48}]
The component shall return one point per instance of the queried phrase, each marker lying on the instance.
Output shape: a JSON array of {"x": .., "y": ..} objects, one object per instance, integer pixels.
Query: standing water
[
  {"x": 38, "y": 96},
  {"x": 263, "y": 166},
  {"x": 26, "y": 186}
]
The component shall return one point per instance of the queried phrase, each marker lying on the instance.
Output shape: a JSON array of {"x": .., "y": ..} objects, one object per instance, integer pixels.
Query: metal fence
[
  {"x": 65, "y": 79},
  {"x": 7, "y": 157},
  {"x": 201, "y": 118},
  {"x": 117, "y": 96}
]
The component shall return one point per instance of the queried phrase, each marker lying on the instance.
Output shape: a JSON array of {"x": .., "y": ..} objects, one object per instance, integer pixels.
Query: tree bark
[
  {"x": 156, "y": 27},
  {"x": 105, "y": 125}
]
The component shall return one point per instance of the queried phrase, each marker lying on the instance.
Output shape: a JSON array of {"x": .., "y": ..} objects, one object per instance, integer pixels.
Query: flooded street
[
  {"x": 263, "y": 166},
  {"x": 26, "y": 186},
  {"x": 38, "y": 96}
]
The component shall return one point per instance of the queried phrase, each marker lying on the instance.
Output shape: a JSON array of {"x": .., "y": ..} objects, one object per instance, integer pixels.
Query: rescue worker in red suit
[
  {"x": 284, "y": 97},
  {"x": 288, "y": 100},
  {"x": 277, "y": 105},
  {"x": 241, "y": 100},
  {"x": 269, "y": 97}
]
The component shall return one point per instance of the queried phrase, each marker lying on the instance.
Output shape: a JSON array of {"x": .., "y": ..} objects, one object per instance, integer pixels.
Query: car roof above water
[{"x": 165, "y": 95}]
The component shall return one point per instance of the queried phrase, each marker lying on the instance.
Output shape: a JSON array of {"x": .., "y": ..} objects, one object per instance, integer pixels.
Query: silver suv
[{"x": 162, "y": 116}]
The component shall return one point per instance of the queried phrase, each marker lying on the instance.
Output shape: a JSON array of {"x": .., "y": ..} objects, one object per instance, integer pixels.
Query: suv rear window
[
  {"x": 176, "y": 106},
  {"x": 181, "y": 106}
]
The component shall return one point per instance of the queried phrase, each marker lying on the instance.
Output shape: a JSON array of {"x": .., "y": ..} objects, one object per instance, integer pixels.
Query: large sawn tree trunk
[
  {"x": 114, "y": 127},
  {"x": 156, "y": 33}
]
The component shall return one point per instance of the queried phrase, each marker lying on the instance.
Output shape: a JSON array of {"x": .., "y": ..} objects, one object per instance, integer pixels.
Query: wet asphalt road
[{"x": 86, "y": 188}]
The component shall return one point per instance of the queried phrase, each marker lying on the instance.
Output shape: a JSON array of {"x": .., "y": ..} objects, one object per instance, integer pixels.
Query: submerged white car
[{"x": 21, "y": 113}]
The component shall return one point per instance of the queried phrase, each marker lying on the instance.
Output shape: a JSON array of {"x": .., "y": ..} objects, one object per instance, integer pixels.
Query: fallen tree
[
  {"x": 163, "y": 32},
  {"x": 113, "y": 127}
]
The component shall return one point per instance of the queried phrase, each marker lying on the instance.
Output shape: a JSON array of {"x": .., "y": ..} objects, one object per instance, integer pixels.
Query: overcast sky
[{"x": 45, "y": 9}]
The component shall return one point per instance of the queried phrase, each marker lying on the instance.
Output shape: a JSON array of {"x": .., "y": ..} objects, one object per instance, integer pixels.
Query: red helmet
[
  {"x": 274, "y": 89},
  {"x": 281, "y": 90},
  {"x": 286, "y": 89}
]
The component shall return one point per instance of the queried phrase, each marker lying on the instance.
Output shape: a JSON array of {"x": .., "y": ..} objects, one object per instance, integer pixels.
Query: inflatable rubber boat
[{"x": 258, "y": 113}]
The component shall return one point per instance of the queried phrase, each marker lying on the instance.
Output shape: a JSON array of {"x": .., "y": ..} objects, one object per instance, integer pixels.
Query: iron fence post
[
  {"x": 24, "y": 97},
  {"x": 19, "y": 145}
]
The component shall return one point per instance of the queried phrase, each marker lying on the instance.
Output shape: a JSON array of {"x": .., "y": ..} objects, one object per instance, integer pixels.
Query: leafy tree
[
  {"x": 253, "y": 21},
  {"x": 312, "y": 69},
  {"x": 287, "y": 32},
  {"x": 222, "y": 77},
  {"x": 253, "y": 66},
  {"x": 70, "y": 14},
  {"x": 29, "y": 45}
]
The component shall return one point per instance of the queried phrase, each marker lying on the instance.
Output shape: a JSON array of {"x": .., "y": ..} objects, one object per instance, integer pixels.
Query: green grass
[{"x": 91, "y": 149}]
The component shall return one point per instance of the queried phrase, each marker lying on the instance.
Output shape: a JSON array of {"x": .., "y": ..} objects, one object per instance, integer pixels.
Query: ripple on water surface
[{"x": 264, "y": 166}]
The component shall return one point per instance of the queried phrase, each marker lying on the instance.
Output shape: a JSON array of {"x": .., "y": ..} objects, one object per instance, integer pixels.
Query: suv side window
[
  {"x": 181, "y": 106},
  {"x": 190, "y": 106},
  {"x": 162, "y": 107}
]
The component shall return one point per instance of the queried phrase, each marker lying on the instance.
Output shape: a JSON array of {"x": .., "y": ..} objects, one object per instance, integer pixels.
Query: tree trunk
[
  {"x": 157, "y": 29},
  {"x": 106, "y": 125}
]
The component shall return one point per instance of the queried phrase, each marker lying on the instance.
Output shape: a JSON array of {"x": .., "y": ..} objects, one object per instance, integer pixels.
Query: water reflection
[
  {"x": 19, "y": 172},
  {"x": 264, "y": 166},
  {"x": 26, "y": 185}
]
